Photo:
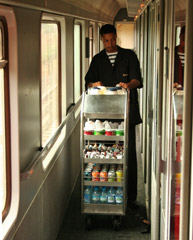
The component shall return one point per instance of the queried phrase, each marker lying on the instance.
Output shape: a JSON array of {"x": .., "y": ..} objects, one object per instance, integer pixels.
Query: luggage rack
[{"x": 104, "y": 107}]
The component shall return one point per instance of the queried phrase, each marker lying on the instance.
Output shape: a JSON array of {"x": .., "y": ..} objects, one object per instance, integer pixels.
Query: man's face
[{"x": 109, "y": 41}]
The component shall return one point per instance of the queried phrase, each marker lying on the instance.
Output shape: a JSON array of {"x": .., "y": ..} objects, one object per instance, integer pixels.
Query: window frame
[
  {"x": 8, "y": 14},
  {"x": 81, "y": 61},
  {"x": 91, "y": 42},
  {"x": 4, "y": 65}
]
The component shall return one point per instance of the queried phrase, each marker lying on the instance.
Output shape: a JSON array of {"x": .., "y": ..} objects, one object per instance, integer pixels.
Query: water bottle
[
  {"x": 103, "y": 195},
  {"x": 95, "y": 195},
  {"x": 111, "y": 196},
  {"x": 88, "y": 194},
  {"x": 119, "y": 196}
]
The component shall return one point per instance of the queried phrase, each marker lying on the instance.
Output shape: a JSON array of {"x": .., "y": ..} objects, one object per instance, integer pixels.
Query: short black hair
[{"x": 107, "y": 28}]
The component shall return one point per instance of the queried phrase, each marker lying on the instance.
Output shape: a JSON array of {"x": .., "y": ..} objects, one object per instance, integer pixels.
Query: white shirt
[{"x": 112, "y": 57}]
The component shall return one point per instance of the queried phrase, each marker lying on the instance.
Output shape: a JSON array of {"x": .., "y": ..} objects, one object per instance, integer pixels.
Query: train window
[
  {"x": 100, "y": 42},
  {"x": 50, "y": 79},
  {"x": 53, "y": 39},
  {"x": 4, "y": 127},
  {"x": 98, "y": 39},
  {"x": 178, "y": 28},
  {"x": 77, "y": 61},
  {"x": 177, "y": 126},
  {"x": 2, "y": 132},
  {"x": 2, "y": 141}
]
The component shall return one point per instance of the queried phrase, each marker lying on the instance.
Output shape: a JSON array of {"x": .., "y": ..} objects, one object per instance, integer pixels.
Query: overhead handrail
[{"x": 28, "y": 172}]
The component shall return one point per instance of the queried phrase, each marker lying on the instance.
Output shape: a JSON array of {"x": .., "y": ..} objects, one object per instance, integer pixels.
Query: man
[{"x": 115, "y": 65}]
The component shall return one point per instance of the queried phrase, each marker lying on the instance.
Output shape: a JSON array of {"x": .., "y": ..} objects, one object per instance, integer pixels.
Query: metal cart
[{"x": 104, "y": 107}]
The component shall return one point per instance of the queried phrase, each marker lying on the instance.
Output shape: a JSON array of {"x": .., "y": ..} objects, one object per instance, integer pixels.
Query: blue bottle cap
[
  {"x": 118, "y": 88},
  {"x": 112, "y": 89},
  {"x": 95, "y": 88}
]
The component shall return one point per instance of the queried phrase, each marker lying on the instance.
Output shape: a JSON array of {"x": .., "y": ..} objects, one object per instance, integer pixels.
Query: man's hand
[
  {"x": 132, "y": 84},
  {"x": 124, "y": 85},
  {"x": 95, "y": 84}
]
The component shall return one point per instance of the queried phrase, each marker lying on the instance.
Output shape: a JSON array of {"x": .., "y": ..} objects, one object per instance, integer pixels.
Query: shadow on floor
[{"x": 73, "y": 226}]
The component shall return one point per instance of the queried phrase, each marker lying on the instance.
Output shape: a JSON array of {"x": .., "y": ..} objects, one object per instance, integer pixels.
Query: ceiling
[
  {"x": 106, "y": 9},
  {"x": 180, "y": 11},
  {"x": 133, "y": 6}
]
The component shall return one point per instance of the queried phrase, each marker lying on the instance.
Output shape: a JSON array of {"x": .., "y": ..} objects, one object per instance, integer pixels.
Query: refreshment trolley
[{"x": 104, "y": 107}]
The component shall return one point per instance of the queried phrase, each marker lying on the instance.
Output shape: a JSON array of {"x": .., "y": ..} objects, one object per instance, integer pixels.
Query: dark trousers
[{"x": 132, "y": 165}]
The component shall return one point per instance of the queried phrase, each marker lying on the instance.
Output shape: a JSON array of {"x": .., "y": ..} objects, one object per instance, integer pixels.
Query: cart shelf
[
  {"x": 103, "y": 138},
  {"x": 104, "y": 160},
  {"x": 104, "y": 106},
  {"x": 102, "y": 116},
  {"x": 103, "y": 184},
  {"x": 106, "y": 209}
]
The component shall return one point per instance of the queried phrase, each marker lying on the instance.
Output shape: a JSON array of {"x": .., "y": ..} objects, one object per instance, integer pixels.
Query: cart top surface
[{"x": 104, "y": 104}]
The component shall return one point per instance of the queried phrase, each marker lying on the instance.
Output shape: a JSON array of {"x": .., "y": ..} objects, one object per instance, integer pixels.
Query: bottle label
[
  {"x": 111, "y": 176},
  {"x": 111, "y": 199},
  {"x": 95, "y": 198},
  {"x": 103, "y": 199},
  {"x": 87, "y": 198},
  {"x": 119, "y": 199},
  {"x": 95, "y": 176}
]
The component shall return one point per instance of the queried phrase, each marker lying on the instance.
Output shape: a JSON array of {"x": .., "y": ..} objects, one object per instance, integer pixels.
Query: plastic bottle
[
  {"x": 111, "y": 196},
  {"x": 88, "y": 194},
  {"x": 119, "y": 196},
  {"x": 177, "y": 206},
  {"x": 111, "y": 176},
  {"x": 103, "y": 175},
  {"x": 178, "y": 182},
  {"x": 103, "y": 195},
  {"x": 119, "y": 175},
  {"x": 95, "y": 195}
]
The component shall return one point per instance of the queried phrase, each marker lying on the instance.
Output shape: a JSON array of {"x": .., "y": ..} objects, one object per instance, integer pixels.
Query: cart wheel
[
  {"x": 88, "y": 222},
  {"x": 116, "y": 223}
]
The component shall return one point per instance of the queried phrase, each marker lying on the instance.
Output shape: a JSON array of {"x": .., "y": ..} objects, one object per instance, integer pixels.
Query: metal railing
[{"x": 28, "y": 172}]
